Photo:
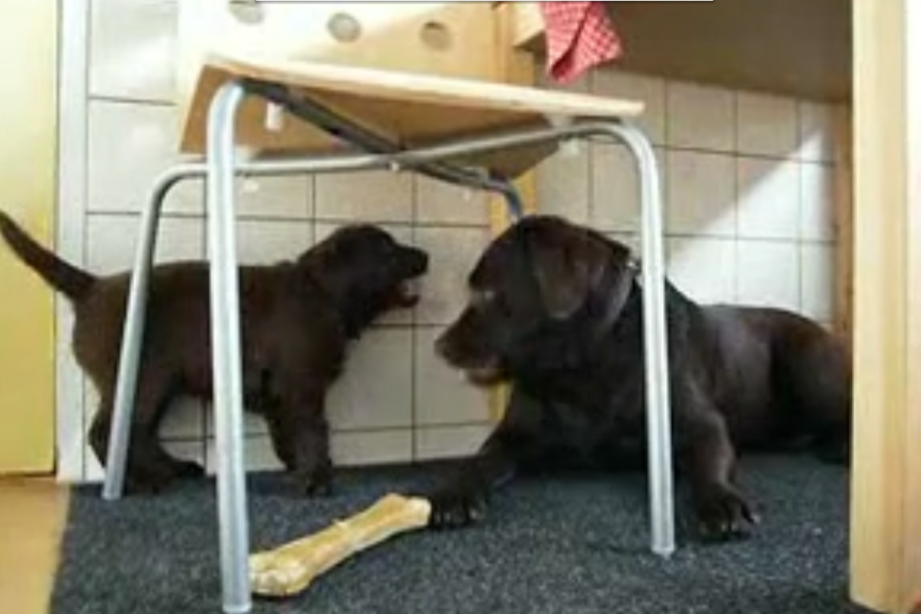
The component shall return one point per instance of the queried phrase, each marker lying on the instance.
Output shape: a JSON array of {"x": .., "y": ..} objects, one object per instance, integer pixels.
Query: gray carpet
[{"x": 549, "y": 545}]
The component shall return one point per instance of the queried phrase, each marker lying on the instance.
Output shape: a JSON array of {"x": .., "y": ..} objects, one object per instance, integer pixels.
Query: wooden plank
[
  {"x": 791, "y": 47},
  {"x": 32, "y": 521},
  {"x": 440, "y": 38},
  {"x": 844, "y": 224},
  {"x": 411, "y": 108},
  {"x": 526, "y": 23},
  {"x": 385, "y": 36},
  {"x": 28, "y": 176},
  {"x": 886, "y": 474}
]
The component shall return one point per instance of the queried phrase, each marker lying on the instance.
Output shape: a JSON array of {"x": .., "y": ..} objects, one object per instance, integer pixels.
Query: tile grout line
[
  {"x": 359, "y": 430},
  {"x": 736, "y": 199},
  {"x": 84, "y": 218},
  {"x": 206, "y": 406},
  {"x": 413, "y": 333},
  {"x": 130, "y": 101},
  {"x": 797, "y": 121},
  {"x": 250, "y": 217}
]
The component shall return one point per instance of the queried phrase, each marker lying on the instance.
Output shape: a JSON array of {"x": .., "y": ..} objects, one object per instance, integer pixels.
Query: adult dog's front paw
[
  {"x": 723, "y": 514},
  {"x": 456, "y": 507}
]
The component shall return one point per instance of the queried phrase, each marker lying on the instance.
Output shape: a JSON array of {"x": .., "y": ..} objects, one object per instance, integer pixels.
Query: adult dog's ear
[{"x": 568, "y": 266}]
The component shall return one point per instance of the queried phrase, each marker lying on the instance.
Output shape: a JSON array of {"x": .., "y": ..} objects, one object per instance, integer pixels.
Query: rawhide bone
[{"x": 291, "y": 568}]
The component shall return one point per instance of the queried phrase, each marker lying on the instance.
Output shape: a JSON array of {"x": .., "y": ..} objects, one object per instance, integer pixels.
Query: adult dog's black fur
[
  {"x": 297, "y": 318},
  {"x": 557, "y": 310}
]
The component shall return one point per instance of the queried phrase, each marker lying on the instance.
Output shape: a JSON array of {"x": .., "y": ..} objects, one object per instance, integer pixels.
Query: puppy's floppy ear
[{"x": 567, "y": 268}]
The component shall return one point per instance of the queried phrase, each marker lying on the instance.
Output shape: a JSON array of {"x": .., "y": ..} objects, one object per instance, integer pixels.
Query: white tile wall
[
  {"x": 111, "y": 239},
  {"x": 564, "y": 183},
  {"x": 184, "y": 420},
  {"x": 749, "y": 191},
  {"x": 700, "y": 117},
  {"x": 129, "y": 145},
  {"x": 132, "y": 49},
  {"x": 443, "y": 396},
  {"x": 450, "y": 442},
  {"x": 271, "y": 241},
  {"x": 704, "y": 268},
  {"x": 700, "y": 193},
  {"x": 766, "y": 125},
  {"x": 252, "y": 424},
  {"x": 441, "y": 203},
  {"x": 193, "y": 450},
  {"x": 258, "y": 450},
  {"x": 275, "y": 197},
  {"x": 650, "y": 90},
  {"x": 769, "y": 199},
  {"x": 816, "y": 132},
  {"x": 372, "y": 447},
  {"x": 452, "y": 254},
  {"x": 377, "y": 389},
  {"x": 818, "y": 281},
  {"x": 375, "y": 196},
  {"x": 615, "y": 189},
  {"x": 817, "y": 202},
  {"x": 769, "y": 274},
  {"x": 747, "y": 179}
]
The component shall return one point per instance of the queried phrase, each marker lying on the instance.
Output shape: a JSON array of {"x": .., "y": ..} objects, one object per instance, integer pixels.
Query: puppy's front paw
[
  {"x": 456, "y": 507},
  {"x": 319, "y": 482},
  {"x": 723, "y": 514}
]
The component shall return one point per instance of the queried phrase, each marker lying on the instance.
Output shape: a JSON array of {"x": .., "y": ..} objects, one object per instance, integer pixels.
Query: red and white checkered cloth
[{"x": 579, "y": 36}]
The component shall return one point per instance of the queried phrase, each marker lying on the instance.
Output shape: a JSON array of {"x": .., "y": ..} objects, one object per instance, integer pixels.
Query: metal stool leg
[
  {"x": 225, "y": 340},
  {"x": 655, "y": 345},
  {"x": 132, "y": 340}
]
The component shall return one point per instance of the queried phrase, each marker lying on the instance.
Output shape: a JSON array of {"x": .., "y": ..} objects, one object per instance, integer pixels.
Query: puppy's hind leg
[
  {"x": 142, "y": 474},
  {"x": 150, "y": 467},
  {"x": 148, "y": 433}
]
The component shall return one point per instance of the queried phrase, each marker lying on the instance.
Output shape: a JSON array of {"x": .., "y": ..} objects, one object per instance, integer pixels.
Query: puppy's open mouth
[
  {"x": 407, "y": 294},
  {"x": 483, "y": 376}
]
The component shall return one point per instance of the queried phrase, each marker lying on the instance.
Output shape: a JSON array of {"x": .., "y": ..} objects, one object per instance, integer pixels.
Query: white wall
[
  {"x": 748, "y": 184},
  {"x": 748, "y": 219}
]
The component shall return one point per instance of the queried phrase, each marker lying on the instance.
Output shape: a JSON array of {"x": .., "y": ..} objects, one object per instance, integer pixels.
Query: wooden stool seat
[{"x": 409, "y": 109}]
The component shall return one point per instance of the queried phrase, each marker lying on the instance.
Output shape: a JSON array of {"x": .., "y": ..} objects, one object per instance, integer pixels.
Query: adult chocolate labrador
[
  {"x": 297, "y": 319},
  {"x": 557, "y": 310}
]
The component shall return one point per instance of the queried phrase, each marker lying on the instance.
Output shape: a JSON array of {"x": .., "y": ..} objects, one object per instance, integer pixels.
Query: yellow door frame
[
  {"x": 28, "y": 170},
  {"x": 886, "y": 474}
]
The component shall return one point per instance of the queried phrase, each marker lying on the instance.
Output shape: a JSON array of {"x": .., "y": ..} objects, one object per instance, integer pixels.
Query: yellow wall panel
[{"x": 28, "y": 125}]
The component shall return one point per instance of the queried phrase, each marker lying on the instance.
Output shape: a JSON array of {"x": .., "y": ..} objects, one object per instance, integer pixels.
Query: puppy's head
[
  {"x": 366, "y": 271},
  {"x": 541, "y": 285}
]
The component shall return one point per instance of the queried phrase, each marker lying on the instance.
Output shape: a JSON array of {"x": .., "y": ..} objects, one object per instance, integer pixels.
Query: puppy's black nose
[{"x": 421, "y": 260}]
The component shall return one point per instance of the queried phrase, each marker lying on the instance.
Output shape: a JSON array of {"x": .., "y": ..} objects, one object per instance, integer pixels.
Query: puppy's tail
[{"x": 64, "y": 277}]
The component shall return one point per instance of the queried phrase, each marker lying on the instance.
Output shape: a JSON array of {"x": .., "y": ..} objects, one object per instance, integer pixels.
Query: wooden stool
[{"x": 341, "y": 118}]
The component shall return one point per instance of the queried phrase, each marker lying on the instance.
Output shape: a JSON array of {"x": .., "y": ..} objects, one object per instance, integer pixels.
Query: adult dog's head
[
  {"x": 366, "y": 272},
  {"x": 542, "y": 290}
]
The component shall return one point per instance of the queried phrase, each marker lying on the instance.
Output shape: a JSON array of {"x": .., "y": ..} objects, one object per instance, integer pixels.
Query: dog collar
[{"x": 616, "y": 301}]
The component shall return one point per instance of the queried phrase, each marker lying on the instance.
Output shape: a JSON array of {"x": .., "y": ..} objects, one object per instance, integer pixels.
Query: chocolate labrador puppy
[
  {"x": 557, "y": 310},
  {"x": 297, "y": 318}
]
